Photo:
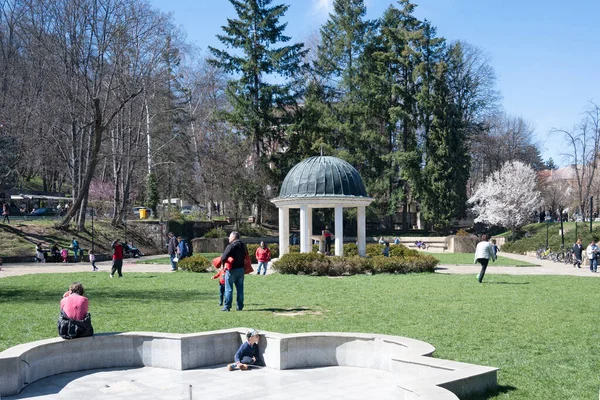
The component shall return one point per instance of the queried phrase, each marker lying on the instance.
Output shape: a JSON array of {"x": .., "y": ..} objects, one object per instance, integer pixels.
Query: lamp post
[
  {"x": 548, "y": 219},
  {"x": 93, "y": 230}
]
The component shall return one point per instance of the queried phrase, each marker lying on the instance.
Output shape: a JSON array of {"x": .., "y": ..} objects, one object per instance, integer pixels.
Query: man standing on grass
[
  {"x": 117, "y": 258},
  {"x": 483, "y": 253},
  {"x": 236, "y": 250}
]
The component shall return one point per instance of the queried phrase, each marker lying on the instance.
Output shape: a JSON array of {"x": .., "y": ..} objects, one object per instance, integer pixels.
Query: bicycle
[
  {"x": 559, "y": 256},
  {"x": 544, "y": 253},
  {"x": 569, "y": 256}
]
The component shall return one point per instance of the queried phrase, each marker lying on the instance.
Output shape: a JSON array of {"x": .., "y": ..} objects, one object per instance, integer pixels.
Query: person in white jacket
[
  {"x": 592, "y": 254},
  {"x": 483, "y": 253}
]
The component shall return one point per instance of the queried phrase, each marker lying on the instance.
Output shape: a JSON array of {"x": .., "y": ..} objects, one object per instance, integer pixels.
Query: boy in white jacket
[{"x": 483, "y": 253}]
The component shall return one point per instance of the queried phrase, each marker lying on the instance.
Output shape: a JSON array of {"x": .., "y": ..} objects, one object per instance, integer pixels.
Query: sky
[{"x": 546, "y": 53}]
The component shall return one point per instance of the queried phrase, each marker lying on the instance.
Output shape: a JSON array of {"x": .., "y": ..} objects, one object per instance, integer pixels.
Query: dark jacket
[
  {"x": 171, "y": 249},
  {"x": 247, "y": 350},
  {"x": 70, "y": 328},
  {"x": 237, "y": 251},
  {"x": 577, "y": 251}
]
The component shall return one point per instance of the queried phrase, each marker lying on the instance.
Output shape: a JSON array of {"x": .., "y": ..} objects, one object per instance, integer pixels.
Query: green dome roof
[{"x": 322, "y": 176}]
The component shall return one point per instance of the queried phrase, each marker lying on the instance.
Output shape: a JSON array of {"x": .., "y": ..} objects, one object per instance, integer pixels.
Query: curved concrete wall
[{"x": 419, "y": 376}]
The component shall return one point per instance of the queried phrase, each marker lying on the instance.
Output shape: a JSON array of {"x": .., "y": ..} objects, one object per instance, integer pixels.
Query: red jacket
[
  {"x": 117, "y": 251},
  {"x": 263, "y": 255},
  {"x": 221, "y": 275}
]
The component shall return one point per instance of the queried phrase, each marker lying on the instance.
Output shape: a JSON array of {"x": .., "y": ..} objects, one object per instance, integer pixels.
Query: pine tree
[
  {"x": 447, "y": 163},
  {"x": 259, "y": 106}
]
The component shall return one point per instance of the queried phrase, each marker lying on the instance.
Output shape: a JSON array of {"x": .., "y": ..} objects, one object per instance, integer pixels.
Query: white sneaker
[{"x": 111, "y": 275}]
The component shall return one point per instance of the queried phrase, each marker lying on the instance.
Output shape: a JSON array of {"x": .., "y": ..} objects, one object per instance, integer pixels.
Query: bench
[{"x": 419, "y": 375}]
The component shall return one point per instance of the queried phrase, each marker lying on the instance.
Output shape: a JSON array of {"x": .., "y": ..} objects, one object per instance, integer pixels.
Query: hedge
[
  {"x": 320, "y": 265},
  {"x": 195, "y": 263}
]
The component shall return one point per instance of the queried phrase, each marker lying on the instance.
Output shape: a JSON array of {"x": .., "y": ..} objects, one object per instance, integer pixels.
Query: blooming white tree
[{"x": 508, "y": 197}]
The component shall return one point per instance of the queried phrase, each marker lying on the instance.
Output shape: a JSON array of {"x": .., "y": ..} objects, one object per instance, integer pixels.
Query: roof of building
[{"x": 322, "y": 176}]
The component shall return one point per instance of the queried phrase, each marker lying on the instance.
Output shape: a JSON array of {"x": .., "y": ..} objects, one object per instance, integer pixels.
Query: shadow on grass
[
  {"x": 280, "y": 310},
  {"x": 500, "y": 389},
  {"x": 507, "y": 283}
]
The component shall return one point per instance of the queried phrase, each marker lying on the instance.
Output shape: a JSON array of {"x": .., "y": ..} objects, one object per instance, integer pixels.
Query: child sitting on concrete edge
[{"x": 247, "y": 354}]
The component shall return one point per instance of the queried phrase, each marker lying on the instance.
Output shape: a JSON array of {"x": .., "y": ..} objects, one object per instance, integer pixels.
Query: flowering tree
[{"x": 507, "y": 197}]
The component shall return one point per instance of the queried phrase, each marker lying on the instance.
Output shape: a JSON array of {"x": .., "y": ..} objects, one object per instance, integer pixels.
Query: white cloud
[{"x": 320, "y": 7}]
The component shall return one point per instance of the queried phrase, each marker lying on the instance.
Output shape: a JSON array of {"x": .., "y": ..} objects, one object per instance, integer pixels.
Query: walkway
[{"x": 543, "y": 267}]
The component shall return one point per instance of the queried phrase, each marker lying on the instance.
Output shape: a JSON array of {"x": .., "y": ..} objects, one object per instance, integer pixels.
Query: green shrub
[
  {"x": 400, "y": 250},
  {"x": 195, "y": 263},
  {"x": 321, "y": 265},
  {"x": 375, "y": 249},
  {"x": 350, "y": 250},
  {"x": 272, "y": 246},
  {"x": 296, "y": 248},
  {"x": 216, "y": 233}
]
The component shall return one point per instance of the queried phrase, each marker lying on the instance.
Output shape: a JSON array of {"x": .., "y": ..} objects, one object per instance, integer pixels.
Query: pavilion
[{"x": 321, "y": 182}]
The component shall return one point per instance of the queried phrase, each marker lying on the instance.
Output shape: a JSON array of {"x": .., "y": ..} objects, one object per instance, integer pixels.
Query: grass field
[
  {"x": 541, "y": 331},
  {"x": 467, "y": 258}
]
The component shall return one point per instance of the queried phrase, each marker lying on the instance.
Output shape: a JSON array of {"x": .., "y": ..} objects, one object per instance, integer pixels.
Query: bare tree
[{"x": 584, "y": 144}]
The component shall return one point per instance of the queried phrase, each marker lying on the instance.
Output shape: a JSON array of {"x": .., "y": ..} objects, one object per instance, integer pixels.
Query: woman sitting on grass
[{"x": 74, "y": 320}]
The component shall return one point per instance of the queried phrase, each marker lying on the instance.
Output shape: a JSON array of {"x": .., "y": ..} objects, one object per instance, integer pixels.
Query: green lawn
[
  {"x": 166, "y": 260},
  {"x": 467, "y": 258},
  {"x": 541, "y": 331}
]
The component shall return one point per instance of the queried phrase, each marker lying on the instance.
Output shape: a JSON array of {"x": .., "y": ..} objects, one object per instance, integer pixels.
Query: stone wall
[
  {"x": 420, "y": 376},
  {"x": 461, "y": 244}
]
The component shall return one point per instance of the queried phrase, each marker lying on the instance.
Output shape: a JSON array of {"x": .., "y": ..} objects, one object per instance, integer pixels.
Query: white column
[
  {"x": 339, "y": 230},
  {"x": 284, "y": 230},
  {"x": 361, "y": 231},
  {"x": 309, "y": 227},
  {"x": 304, "y": 240}
]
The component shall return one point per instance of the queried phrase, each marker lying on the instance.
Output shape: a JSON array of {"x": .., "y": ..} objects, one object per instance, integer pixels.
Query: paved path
[
  {"x": 543, "y": 267},
  {"x": 129, "y": 265}
]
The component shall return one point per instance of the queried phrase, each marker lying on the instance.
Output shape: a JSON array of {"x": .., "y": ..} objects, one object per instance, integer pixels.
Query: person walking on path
[
  {"x": 75, "y": 246},
  {"x": 577, "y": 254},
  {"x": 5, "y": 213},
  {"x": 263, "y": 256},
  {"x": 592, "y": 255},
  {"x": 235, "y": 274},
  {"x": 182, "y": 248},
  {"x": 172, "y": 250},
  {"x": 93, "y": 260},
  {"x": 483, "y": 253},
  {"x": 117, "y": 259}
]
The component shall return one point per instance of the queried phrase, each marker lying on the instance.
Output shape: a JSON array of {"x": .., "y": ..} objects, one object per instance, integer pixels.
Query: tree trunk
[{"x": 93, "y": 160}]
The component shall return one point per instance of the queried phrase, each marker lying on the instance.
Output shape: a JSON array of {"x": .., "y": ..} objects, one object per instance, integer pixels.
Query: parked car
[{"x": 45, "y": 211}]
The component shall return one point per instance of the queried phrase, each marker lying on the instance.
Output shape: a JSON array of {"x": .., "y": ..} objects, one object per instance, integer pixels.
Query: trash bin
[{"x": 143, "y": 213}]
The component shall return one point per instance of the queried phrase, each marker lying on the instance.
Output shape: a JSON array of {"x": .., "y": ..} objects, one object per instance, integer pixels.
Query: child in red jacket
[
  {"x": 263, "y": 256},
  {"x": 221, "y": 275}
]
